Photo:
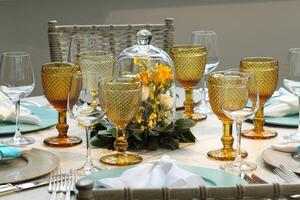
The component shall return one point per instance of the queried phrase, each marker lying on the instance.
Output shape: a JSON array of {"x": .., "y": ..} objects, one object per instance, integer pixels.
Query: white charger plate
[{"x": 276, "y": 158}]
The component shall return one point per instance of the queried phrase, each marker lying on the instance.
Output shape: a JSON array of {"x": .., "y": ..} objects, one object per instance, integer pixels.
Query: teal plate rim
[
  {"x": 47, "y": 115},
  {"x": 287, "y": 121},
  {"x": 213, "y": 177}
]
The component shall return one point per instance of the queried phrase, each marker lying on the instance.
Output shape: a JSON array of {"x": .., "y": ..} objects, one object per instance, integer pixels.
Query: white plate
[{"x": 276, "y": 158}]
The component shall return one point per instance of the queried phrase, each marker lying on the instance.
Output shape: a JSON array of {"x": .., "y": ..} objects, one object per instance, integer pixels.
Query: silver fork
[
  {"x": 289, "y": 172},
  {"x": 285, "y": 176},
  {"x": 70, "y": 184},
  {"x": 52, "y": 185},
  {"x": 55, "y": 183}
]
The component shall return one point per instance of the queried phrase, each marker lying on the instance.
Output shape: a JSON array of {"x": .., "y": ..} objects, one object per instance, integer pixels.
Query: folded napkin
[
  {"x": 163, "y": 173},
  {"x": 288, "y": 147},
  {"x": 7, "y": 112},
  {"x": 7, "y": 152},
  {"x": 282, "y": 105}
]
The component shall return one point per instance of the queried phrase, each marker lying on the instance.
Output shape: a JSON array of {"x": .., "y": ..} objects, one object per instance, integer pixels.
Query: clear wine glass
[
  {"x": 207, "y": 39},
  {"x": 239, "y": 100},
  {"x": 17, "y": 82},
  {"x": 292, "y": 83},
  {"x": 84, "y": 100},
  {"x": 81, "y": 43}
]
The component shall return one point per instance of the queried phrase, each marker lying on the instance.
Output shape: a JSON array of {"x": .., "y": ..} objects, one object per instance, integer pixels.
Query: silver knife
[
  {"x": 252, "y": 178},
  {"x": 258, "y": 179},
  {"x": 10, "y": 188}
]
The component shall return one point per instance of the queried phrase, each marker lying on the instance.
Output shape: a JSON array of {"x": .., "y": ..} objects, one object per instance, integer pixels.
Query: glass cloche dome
[{"x": 154, "y": 68}]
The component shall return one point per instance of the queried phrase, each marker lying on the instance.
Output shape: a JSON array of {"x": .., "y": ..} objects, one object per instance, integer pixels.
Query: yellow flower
[
  {"x": 143, "y": 61},
  {"x": 162, "y": 73},
  {"x": 144, "y": 77}
]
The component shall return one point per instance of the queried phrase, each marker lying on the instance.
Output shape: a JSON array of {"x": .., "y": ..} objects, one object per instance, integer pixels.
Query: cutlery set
[
  {"x": 58, "y": 182},
  {"x": 62, "y": 183},
  {"x": 286, "y": 174}
]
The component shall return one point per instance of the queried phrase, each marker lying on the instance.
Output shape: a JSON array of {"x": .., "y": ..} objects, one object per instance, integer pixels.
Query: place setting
[{"x": 144, "y": 100}]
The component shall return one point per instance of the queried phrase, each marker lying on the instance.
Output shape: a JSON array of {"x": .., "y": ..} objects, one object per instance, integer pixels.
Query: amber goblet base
[
  {"x": 67, "y": 141},
  {"x": 224, "y": 154},
  {"x": 120, "y": 159},
  {"x": 261, "y": 135}
]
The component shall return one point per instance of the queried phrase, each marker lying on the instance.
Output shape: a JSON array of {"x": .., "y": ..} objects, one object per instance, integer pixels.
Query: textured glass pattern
[
  {"x": 266, "y": 71},
  {"x": 98, "y": 61}
]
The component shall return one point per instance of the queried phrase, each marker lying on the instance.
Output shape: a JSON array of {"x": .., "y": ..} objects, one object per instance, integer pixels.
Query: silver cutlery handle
[
  {"x": 7, "y": 189},
  {"x": 53, "y": 195},
  {"x": 68, "y": 195}
]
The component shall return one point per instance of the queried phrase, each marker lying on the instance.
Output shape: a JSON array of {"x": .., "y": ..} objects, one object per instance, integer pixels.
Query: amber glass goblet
[
  {"x": 189, "y": 62},
  {"x": 97, "y": 61},
  {"x": 266, "y": 71},
  {"x": 56, "y": 78},
  {"x": 215, "y": 82},
  {"x": 123, "y": 98}
]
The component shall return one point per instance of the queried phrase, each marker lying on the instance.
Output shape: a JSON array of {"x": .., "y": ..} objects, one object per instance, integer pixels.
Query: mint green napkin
[{"x": 9, "y": 152}]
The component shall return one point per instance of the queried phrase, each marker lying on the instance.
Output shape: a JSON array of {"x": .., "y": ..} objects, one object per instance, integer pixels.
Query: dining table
[{"x": 208, "y": 137}]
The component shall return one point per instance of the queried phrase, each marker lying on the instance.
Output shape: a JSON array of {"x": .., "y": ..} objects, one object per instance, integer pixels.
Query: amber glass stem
[
  {"x": 227, "y": 138},
  {"x": 189, "y": 102},
  {"x": 62, "y": 125},
  {"x": 238, "y": 156},
  {"x": 259, "y": 119},
  {"x": 121, "y": 143}
]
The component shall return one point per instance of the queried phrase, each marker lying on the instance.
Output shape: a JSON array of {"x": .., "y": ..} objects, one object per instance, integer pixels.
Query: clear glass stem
[
  {"x": 204, "y": 88},
  {"x": 298, "y": 130},
  {"x": 18, "y": 132},
  {"x": 238, "y": 156},
  {"x": 88, "y": 149}
]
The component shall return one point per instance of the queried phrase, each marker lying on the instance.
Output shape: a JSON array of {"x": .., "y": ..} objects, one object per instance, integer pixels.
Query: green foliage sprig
[{"x": 104, "y": 135}]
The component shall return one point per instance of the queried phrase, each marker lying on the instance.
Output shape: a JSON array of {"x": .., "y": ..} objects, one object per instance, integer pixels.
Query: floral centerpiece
[{"x": 154, "y": 126}]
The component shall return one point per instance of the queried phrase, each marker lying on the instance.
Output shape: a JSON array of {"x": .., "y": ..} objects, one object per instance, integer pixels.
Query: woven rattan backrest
[{"x": 114, "y": 38}]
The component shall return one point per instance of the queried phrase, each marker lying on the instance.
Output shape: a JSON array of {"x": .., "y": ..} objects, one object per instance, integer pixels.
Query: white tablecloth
[{"x": 207, "y": 132}]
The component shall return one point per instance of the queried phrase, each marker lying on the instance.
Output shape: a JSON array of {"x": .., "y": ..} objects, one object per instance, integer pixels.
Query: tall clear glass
[
  {"x": 239, "y": 100},
  {"x": 207, "y": 39},
  {"x": 81, "y": 43},
  {"x": 17, "y": 82},
  {"x": 292, "y": 83},
  {"x": 84, "y": 106}
]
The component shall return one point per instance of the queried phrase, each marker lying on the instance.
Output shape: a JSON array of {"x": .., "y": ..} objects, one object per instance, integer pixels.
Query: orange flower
[
  {"x": 162, "y": 73},
  {"x": 144, "y": 77}
]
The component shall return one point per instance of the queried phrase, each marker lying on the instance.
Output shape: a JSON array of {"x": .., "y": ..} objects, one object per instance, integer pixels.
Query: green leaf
[
  {"x": 165, "y": 137},
  {"x": 171, "y": 143},
  {"x": 183, "y": 125},
  {"x": 136, "y": 135},
  {"x": 153, "y": 143},
  {"x": 152, "y": 132}
]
